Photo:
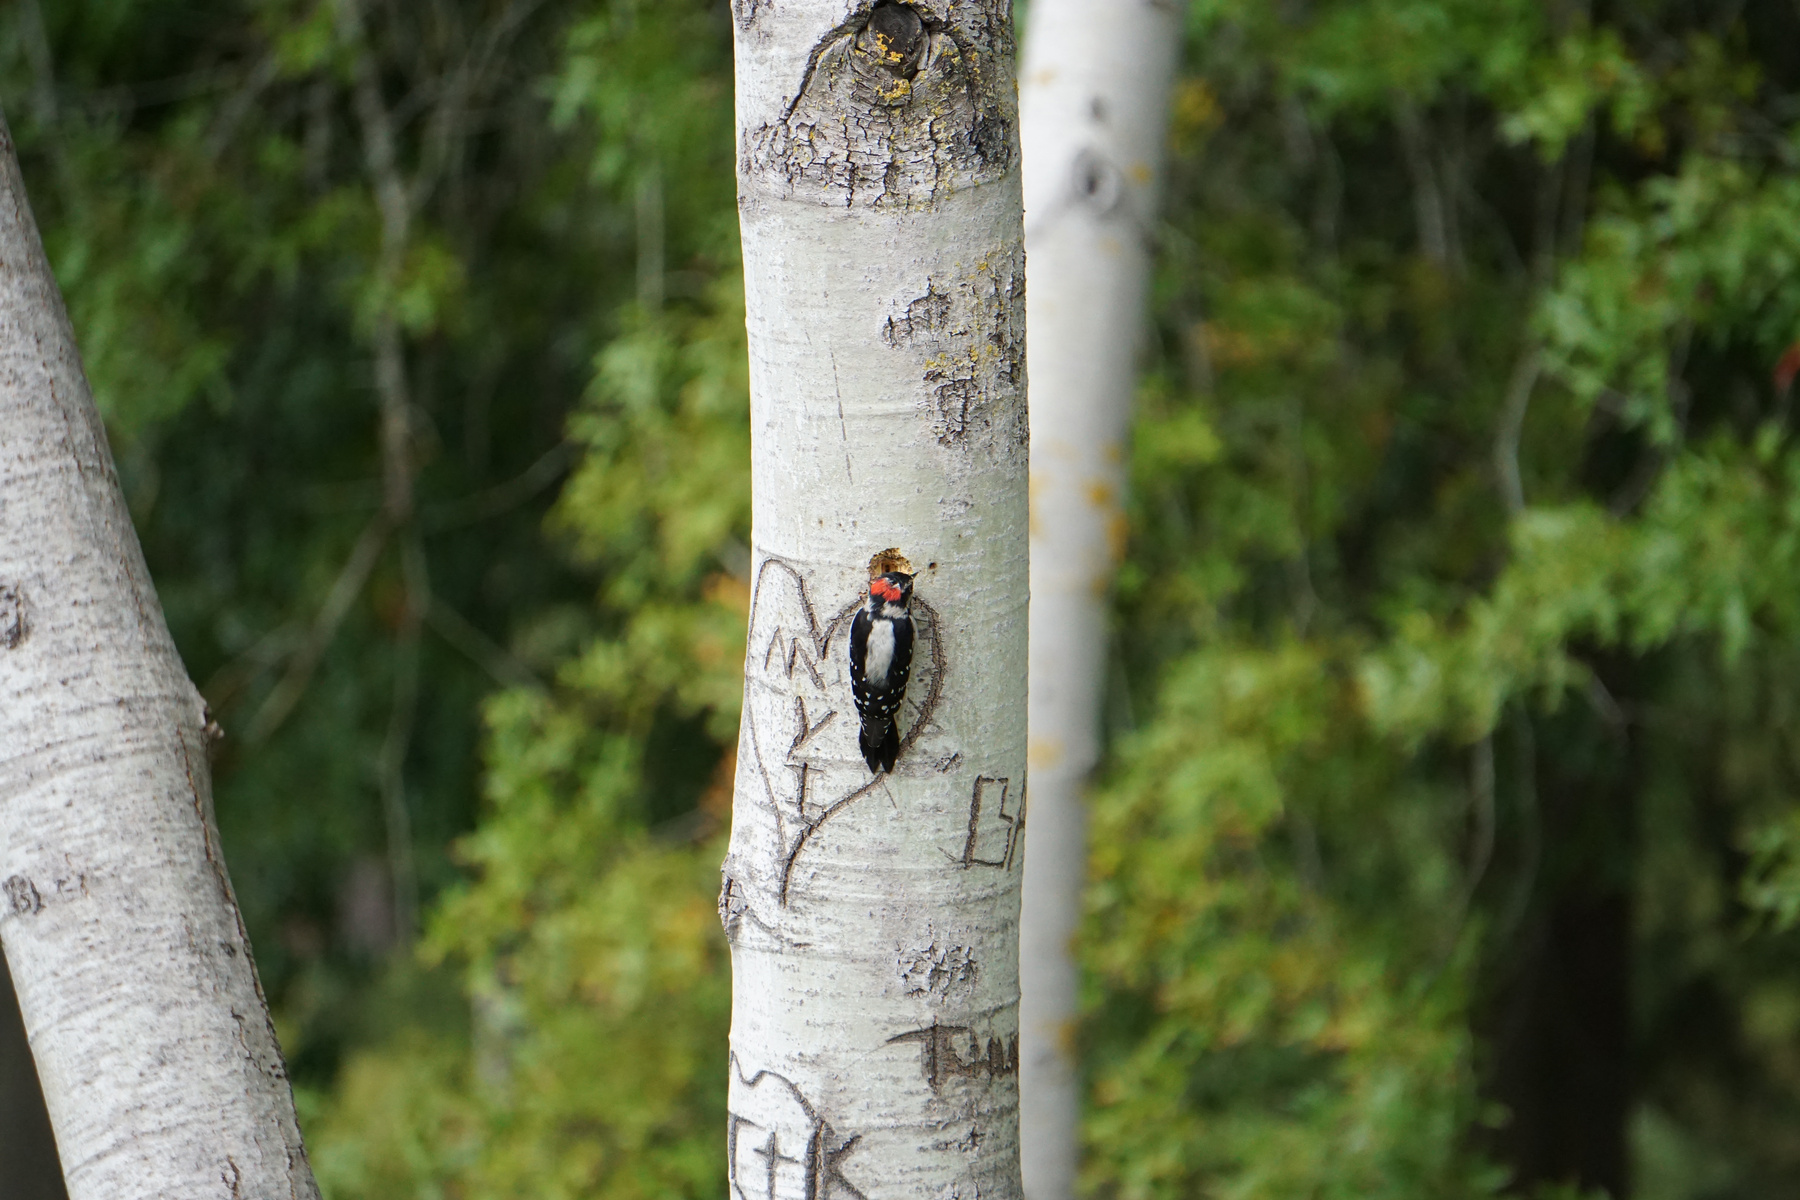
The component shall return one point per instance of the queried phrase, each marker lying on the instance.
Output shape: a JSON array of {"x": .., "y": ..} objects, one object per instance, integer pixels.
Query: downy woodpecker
[{"x": 881, "y": 644}]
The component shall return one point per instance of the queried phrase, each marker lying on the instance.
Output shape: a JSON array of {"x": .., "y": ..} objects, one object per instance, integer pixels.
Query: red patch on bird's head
[{"x": 884, "y": 589}]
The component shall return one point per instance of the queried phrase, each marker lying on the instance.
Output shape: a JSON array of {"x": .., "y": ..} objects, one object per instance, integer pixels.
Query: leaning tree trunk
[
  {"x": 1095, "y": 100},
  {"x": 152, "y": 1040},
  {"x": 874, "y": 919}
]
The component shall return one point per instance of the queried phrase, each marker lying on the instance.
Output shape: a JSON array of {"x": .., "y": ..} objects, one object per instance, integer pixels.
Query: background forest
[{"x": 1448, "y": 841}]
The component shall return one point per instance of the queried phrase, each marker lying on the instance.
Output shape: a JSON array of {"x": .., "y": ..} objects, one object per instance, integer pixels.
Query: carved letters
[
  {"x": 994, "y": 832},
  {"x": 800, "y": 1144},
  {"x": 797, "y": 690},
  {"x": 942, "y": 1059}
]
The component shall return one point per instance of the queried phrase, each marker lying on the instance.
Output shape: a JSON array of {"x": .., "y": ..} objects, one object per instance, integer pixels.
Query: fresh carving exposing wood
[
  {"x": 884, "y": 270},
  {"x": 153, "y": 1043}
]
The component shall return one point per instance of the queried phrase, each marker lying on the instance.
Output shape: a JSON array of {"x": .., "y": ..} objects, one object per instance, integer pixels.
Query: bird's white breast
[{"x": 880, "y": 654}]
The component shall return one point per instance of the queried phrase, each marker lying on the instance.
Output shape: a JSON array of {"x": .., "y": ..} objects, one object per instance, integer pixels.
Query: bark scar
[
  {"x": 22, "y": 895},
  {"x": 15, "y": 625}
]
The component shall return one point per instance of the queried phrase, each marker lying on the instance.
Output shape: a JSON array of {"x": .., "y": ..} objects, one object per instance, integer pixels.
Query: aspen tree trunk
[
  {"x": 874, "y": 919},
  {"x": 1094, "y": 100},
  {"x": 152, "y": 1039}
]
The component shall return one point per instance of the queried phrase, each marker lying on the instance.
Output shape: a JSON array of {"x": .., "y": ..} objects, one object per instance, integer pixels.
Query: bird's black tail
[{"x": 880, "y": 744}]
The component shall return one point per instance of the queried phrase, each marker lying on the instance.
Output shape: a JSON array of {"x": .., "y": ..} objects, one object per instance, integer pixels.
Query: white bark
[
  {"x": 874, "y": 919},
  {"x": 152, "y": 1039},
  {"x": 1094, "y": 101}
]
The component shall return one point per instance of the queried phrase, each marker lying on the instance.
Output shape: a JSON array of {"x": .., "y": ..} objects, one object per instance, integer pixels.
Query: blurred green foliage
[
  {"x": 1447, "y": 842},
  {"x": 1447, "y": 845}
]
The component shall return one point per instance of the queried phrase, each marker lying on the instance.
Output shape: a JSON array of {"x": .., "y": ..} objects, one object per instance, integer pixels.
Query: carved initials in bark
[
  {"x": 941, "y": 1059},
  {"x": 784, "y": 1109},
  {"x": 802, "y": 677},
  {"x": 993, "y": 842}
]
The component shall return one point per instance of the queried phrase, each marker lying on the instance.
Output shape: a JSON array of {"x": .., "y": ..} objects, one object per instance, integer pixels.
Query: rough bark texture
[
  {"x": 1095, "y": 100},
  {"x": 158, "y": 1061},
  {"x": 874, "y": 920}
]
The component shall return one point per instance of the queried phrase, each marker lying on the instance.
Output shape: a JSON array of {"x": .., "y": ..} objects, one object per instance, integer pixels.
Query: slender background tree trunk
[
  {"x": 152, "y": 1040},
  {"x": 874, "y": 920},
  {"x": 1094, "y": 101}
]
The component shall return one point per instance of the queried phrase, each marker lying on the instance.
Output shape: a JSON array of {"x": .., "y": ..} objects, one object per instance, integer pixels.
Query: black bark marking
[
  {"x": 925, "y": 317},
  {"x": 762, "y": 770},
  {"x": 825, "y": 1147},
  {"x": 807, "y": 829},
  {"x": 953, "y": 398},
  {"x": 1013, "y": 821},
  {"x": 821, "y": 638},
  {"x": 731, "y": 906},
  {"x": 22, "y": 896},
  {"x": 804, "y": 770},
  {"x": 897, "y": 105},
  {"x": 734, "y": 910},
  {"x": 770, "y": 1151},
  {"x": 927, "y": 708},
  {"x": 15, "y": 625},
  {"x": 734, "y": 1123},
  {"x": 805, "y": 731},
  {"x": 940, "y": 666},
  {"x": 934, "y": 970},
  {"x": 941, "y": 1060},
  {"x": 971, "y": 336},
  {"x": 894, "y": 38},
  {"x": 1097, "y": 185},
  {"x": 823, "y": 1150},
  {"x": 805, "y": 649}
]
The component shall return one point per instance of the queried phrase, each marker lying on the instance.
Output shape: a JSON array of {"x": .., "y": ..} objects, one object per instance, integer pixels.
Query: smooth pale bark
[
  {"x": 152, "y": 1040},
  {"x": 1094, "y": 98},
  {"x": 874, "y": 920}
]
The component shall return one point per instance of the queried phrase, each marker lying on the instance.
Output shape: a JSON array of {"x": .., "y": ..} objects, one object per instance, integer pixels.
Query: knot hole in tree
[
  {"x": 894, "y": 39},
  {"x": 1098, "y": 184}
]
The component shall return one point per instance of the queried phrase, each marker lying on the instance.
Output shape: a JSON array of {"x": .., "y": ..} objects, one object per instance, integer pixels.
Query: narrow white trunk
[
  {"x": 158, "y": 1061},
  {"x": 1094, "y": 100},
  {"x": 874, "y": 920}
]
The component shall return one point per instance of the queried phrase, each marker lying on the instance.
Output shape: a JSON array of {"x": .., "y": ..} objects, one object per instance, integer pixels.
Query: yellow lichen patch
[
  {"x": 888, "y": 50},
  {"x": 1101, "y": 493},
  {"x": 889, "y": 560},
  {"x": 1044, "y": 752}
]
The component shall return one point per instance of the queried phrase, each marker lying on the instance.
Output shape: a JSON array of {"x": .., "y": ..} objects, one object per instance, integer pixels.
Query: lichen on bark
[{"x": 880, "y": 119}]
